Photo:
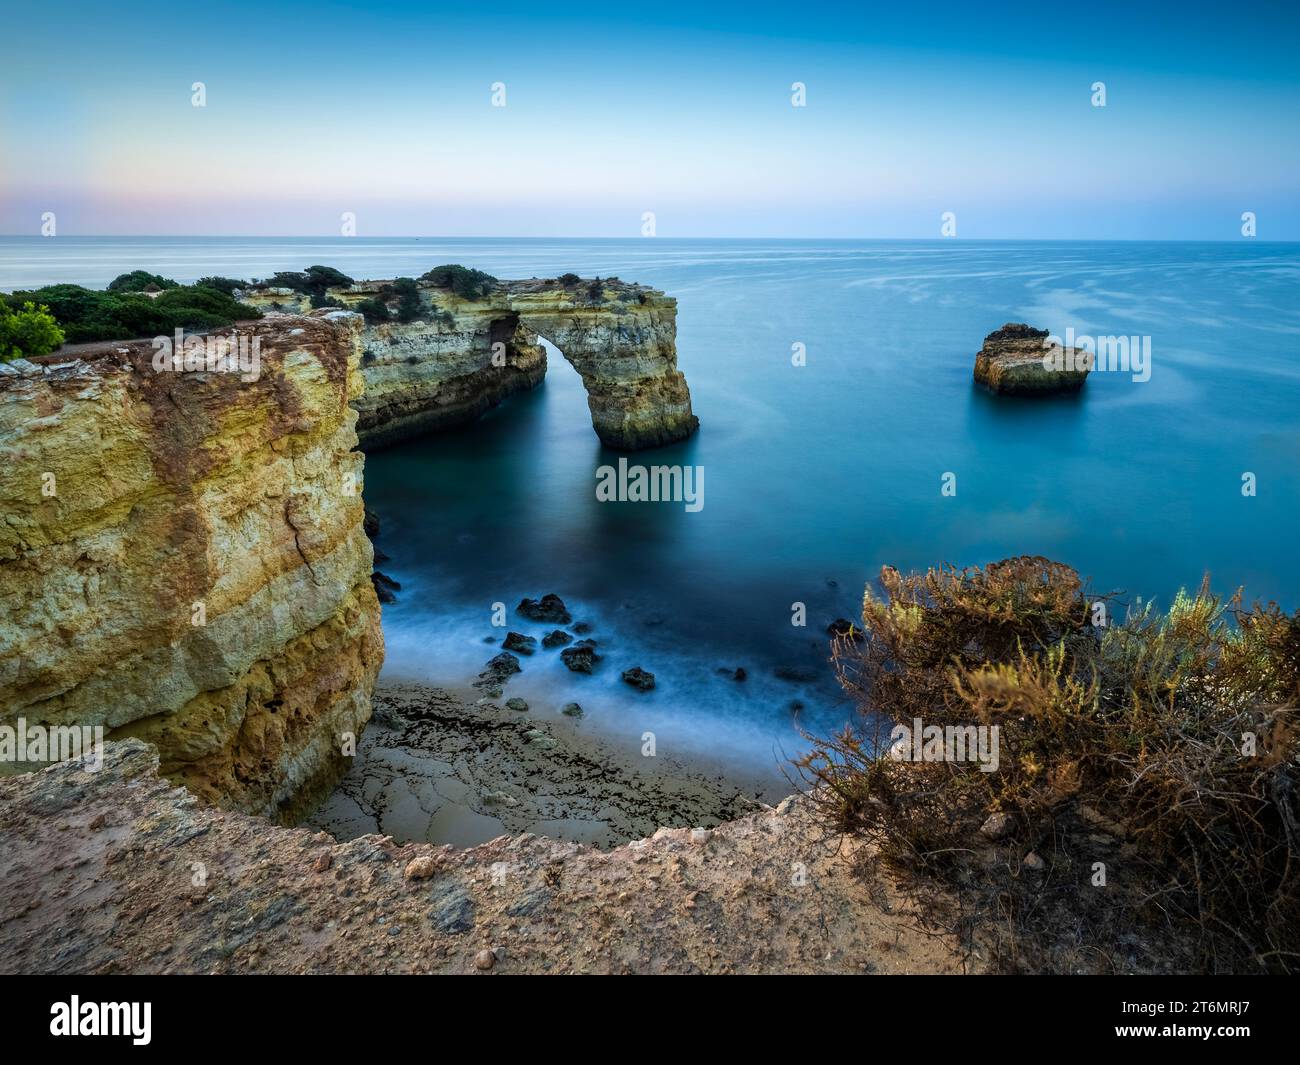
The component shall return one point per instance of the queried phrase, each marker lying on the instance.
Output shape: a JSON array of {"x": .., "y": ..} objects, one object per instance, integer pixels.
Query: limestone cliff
[
  {"x": 182, "y": 559},
  {"x": 463, "y": 356}
]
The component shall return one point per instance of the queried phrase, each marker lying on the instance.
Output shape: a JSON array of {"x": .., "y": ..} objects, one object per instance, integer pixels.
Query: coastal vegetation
[
  {"x": 26, "y": 330},
  {"x": 1146, "y": 796},
  {"x": 85, "y": 314},
  {"x": 462, "y": 281}
]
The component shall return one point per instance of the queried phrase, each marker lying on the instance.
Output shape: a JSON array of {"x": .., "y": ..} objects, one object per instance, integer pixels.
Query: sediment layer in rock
[{"x": 182, "y": 559}]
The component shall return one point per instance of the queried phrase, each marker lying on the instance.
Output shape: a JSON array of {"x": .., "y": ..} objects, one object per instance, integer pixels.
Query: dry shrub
[{"x": 1124, "y": 743}]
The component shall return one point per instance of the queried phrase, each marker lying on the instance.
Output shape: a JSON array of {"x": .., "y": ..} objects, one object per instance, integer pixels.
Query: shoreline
[{"x": 436, "y": 764}]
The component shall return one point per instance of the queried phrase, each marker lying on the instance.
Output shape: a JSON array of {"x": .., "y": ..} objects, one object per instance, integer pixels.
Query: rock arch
[{"x": 622, "y": 340}]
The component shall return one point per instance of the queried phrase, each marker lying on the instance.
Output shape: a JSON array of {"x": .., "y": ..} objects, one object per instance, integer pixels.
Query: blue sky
[{"x": 682, "y": 110}]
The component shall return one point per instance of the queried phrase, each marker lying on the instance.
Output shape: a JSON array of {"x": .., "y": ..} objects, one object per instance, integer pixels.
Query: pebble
[
  {"x": 997, "y": 826},
  {"x": 484, "y": 960},
  {"x": 420, "y": 868}
]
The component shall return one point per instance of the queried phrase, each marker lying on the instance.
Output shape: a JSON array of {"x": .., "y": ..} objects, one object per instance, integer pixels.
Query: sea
[{"x": 840, "y": 432}]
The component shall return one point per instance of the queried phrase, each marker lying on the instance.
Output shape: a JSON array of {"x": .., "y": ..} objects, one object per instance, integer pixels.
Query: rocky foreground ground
[
  {"x": 118, "y": 871},
  {"x": 435, "y": 767}
]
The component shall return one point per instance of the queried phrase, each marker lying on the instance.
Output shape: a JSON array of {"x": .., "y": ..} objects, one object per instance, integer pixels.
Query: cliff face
[
  {"x": 461, "y": 357},
  {"x": 183, "y": 560}
]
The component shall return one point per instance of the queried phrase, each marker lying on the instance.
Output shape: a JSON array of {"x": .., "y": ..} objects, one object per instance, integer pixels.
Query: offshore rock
[{"x": 1012, "y": 362}]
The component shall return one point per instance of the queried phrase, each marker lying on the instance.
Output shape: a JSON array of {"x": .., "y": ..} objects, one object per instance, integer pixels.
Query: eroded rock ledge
[
  {"x": 463, "y": 356},
  {"x": 120, "y": 850},
  {"x": 182, "y": 559}
]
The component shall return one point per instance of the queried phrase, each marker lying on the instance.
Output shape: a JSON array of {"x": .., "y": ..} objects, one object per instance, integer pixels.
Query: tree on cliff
[
  {"x": 139, "y": 281},
  {"x": 30, "y": 330},
  {"x": 461, "y": 280}
]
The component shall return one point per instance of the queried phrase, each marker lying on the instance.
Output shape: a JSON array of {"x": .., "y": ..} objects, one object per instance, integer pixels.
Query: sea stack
[{"x": 1017, "y": 361}]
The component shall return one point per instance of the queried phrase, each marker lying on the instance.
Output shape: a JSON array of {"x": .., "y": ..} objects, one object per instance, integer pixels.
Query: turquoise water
[{"x": 817, "y": 475}]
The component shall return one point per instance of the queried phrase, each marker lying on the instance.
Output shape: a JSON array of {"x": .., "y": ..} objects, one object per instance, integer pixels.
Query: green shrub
[
  {"x": 138, "y": 281},
  {"x": 28, "y": 331},
  {"x": 228, "y": 285},
  {"x": 90, "y": 314},
  {"x": 374, "y": 309},
  {"x": 1141, "y": 726},
  {"x": 460, "y": 280},
  {"x": 407, "y": 293}
]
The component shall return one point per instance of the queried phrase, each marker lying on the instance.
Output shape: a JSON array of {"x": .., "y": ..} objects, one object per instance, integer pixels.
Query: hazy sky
[{"x": 681, "y": 109}]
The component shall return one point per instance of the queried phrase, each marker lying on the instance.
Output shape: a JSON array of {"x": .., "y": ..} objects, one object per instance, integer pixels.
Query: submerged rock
[
  {"x": 1015, "y": 360},
  {"x": 571, "y": 710},
  {"x": 581, "y": 656},
  {"x": 639, "y": 678},
  {"x": 516, "y": 703},
  {"x": 549, "y": 608}
]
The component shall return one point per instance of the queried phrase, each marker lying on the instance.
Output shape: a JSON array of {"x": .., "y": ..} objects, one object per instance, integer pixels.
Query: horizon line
[{"x": 899, "y": 240}]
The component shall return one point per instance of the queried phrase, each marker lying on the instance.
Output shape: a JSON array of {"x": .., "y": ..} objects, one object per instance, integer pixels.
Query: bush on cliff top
[
  {"x": 1159, "y": 752},
  {"x": 90, "y": 314},
  {"x": 138, "y": 281},
  {"x": 461, "y": 280},
  {"x": 407, "y": 294},
  {"x": 311, "y": 282},
  {"x": 28, "y": 331}
]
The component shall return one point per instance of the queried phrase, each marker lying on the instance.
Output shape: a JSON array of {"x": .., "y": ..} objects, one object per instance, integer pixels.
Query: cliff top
[{"x": 187, "y": 888}]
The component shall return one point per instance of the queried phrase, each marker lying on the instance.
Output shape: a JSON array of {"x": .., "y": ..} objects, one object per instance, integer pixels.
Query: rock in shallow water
[
  {"x": 497, "y": 672},
  {"x": 581, "y": 657},
  {"x": 556, "y": 638},
  {"x": 549, "y": 608},
  {"x": 517, "y": 641},
  {"x": 639, "y": 678}
]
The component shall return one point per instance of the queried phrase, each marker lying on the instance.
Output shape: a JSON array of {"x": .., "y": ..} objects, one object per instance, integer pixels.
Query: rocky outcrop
[
  {"x": 462, "y": 356},
  {"x": 622, "y": 340},
  {"x": 189, "y": 889},
  {"x": 1015, "y": 360},
  {"x": 182, "y": 560}
]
